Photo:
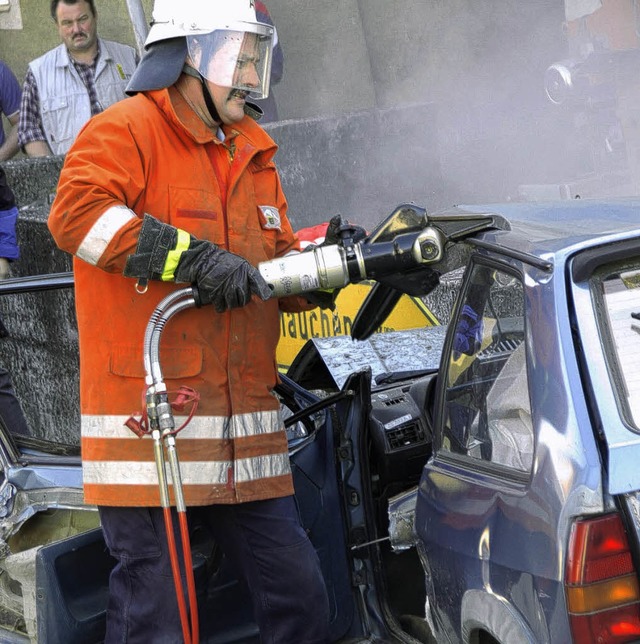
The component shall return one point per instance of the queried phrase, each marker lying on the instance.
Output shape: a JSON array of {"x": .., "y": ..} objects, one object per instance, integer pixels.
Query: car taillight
[{"x": 601, "y": 584}]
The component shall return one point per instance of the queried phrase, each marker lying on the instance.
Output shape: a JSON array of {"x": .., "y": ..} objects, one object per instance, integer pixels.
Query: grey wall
[
  {"x": 481, "y": 63},
  {"x": 345, "y": 55}
]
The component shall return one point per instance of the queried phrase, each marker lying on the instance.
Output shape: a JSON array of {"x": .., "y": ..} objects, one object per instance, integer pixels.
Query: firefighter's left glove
[
  {"x": 223, "y": 279},
  {"x": 169, "y": 254}
]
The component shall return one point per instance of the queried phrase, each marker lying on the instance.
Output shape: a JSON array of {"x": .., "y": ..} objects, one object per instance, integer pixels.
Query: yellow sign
[{"x": 297, "y": 328}]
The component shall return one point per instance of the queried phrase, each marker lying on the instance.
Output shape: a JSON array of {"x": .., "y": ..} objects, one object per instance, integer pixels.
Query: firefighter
[{"x": 177, "y": 184}]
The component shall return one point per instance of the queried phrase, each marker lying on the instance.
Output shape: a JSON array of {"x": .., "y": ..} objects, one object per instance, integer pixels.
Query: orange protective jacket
[{"x": 152, "y": 154}]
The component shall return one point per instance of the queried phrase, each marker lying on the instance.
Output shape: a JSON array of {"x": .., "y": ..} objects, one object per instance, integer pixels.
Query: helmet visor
[{"x": 236, "y": 59}]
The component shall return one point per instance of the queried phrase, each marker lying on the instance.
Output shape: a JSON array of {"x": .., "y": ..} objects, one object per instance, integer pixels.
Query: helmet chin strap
[{"x": 208, "y": 100}]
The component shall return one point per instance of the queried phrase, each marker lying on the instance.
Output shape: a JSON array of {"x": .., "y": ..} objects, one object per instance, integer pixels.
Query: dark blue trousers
[
  {"x": 10, "y": 409},
  {"x": 266, "y": 545}
]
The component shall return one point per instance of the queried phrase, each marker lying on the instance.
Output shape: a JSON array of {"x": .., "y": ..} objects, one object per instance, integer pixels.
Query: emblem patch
[{"x": 270, "y": 217}]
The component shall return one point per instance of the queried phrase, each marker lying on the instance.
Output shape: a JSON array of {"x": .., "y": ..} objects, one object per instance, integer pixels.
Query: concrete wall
[
  {"x": 347, "y": 55},
  {"x": 27, "y": 30},
  {"x": 482, "y": 64}
]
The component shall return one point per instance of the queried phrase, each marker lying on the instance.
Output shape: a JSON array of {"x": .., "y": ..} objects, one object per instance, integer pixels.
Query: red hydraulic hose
[
  {"x": 191, "y": 584},
  {"x": 159, "y": 422},
  {"x": 158, "y": 449},
  {"x": 181, "y": 508},
  {"x": 177, "y": 578}
]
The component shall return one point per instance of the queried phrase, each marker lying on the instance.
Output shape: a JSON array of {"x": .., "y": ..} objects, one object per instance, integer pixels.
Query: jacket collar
[{"x": 182, "y": 116}]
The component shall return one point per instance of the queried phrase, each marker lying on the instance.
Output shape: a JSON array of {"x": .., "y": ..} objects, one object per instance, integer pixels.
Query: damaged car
[{"x": 470, "y": 482}]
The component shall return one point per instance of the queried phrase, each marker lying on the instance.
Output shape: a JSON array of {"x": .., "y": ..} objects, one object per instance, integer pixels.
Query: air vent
[
  {"x": 405, "y": 436},
  {"x": 394, "y": 401}
]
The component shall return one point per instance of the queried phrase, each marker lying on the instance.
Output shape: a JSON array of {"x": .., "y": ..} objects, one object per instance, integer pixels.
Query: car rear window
[{"x": 617, "y": 288}]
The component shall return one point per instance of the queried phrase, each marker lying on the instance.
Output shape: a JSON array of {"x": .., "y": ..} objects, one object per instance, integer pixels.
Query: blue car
[
  {"x": 471, "y": 482},
  {"x": 527, "y": 519}
]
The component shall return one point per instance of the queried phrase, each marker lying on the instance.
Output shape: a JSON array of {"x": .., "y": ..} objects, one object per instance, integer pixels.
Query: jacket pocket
[
  {"x": 183, "y": 362},
  {"x": 270, "y": 226},
  {"x": 199, "y": 212},
  {"x": 58, "y": 118}
]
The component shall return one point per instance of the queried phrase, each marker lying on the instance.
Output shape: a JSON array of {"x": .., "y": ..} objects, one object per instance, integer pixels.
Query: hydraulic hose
[{"x": 162, "y": 426}]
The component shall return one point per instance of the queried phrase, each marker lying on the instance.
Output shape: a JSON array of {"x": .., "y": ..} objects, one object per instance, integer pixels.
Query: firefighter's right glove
[
  {"x": 169, "y": 254},
  {"x": 223, "y": 279},
  {"x": 339, "y": 231}
]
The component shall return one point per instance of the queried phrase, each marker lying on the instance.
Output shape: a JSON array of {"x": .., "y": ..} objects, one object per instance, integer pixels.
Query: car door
[{"x": 467, "y": 518}]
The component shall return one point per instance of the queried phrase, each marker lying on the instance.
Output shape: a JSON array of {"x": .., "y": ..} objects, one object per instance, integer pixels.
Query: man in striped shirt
[{"x": 69, "y": 84}]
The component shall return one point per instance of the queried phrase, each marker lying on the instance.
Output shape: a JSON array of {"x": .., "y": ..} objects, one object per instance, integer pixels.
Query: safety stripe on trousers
[
  {"x": 199, "y": 427},
  {"x": 104, "y": 229},
  {"x": 192, "y": 472}
]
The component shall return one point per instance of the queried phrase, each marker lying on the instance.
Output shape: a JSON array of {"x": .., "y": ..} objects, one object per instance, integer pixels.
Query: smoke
[
  {"x": 438, "y": 102},
  {"x": 484, "y": 69}
]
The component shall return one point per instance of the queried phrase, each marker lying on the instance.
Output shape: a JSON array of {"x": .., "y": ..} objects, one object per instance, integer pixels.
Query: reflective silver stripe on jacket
[
  {"x": 199, "y": 427},
  {"x": 102, "y": 232},
  {"x": 192, "y": 472}
]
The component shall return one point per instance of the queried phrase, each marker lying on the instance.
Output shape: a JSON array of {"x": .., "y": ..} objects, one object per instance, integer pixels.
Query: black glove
[
  {"x": 324, "y": 299},
  {"x": 224, "y": 279}
]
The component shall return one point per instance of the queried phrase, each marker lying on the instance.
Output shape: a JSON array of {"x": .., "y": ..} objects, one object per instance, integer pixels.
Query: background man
[
  {"x": 178, "y": 184},
  {"x": 9, "y": 106},
  {"x": 69, "y": 84}
]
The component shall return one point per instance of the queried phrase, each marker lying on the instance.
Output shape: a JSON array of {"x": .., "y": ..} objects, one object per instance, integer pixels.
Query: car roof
[{"x": 558, "y": 227}]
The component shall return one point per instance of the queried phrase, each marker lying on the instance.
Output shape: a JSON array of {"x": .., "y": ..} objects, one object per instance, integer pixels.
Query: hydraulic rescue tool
[{"x": 407, "y": 251}]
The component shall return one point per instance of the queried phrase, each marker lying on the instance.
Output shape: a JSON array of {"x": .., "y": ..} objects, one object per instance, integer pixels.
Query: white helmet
[
  {"x": 175, "y": 18},
  {"x": 223, "y": 38}
]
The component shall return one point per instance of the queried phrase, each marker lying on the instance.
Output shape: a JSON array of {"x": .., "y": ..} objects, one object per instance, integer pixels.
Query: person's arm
[
  {"x": 31, "y": 136},
  {"x": 10, "y": 146},
  {"x": 37, "y": 149},
  {"x": 9, "y": 250},
  {"x": 10, "y": 97},
  {"x": 90, "y": 218}
]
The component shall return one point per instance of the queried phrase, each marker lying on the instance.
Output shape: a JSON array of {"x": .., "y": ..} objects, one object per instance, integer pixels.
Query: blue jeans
[{"x": 263, "y": 540}]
